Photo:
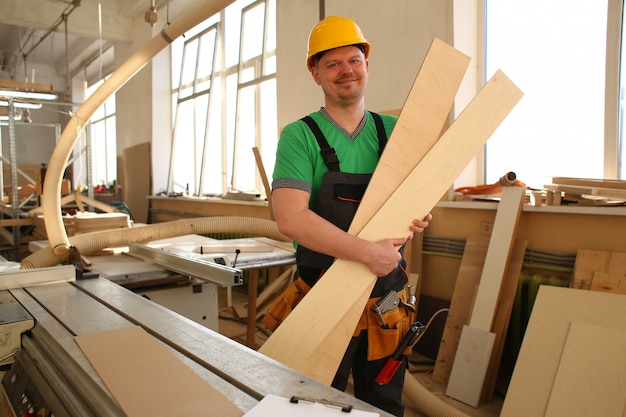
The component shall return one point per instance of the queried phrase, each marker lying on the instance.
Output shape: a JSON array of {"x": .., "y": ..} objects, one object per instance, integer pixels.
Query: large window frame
[
  {"x": 224, "y": 101},
  {"x": 469, "y": 37}
]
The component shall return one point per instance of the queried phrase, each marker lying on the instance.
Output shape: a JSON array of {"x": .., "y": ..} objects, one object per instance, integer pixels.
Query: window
[
  {"x": 102, "y": 149},
  {"x": 555, "y": 51},
  {"x": 224, "y": 96}
]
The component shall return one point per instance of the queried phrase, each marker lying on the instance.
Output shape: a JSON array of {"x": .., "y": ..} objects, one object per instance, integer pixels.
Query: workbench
[{"x": 60, "y": 377}]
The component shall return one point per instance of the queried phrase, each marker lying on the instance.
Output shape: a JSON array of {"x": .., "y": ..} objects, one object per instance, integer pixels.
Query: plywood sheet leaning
[
  {"x": 591, "y": 378},
  {"x": 590, "y": 261},
  {"x": 540, "y": 365},
  {"x": 301, "y": 341},
  {"x": 148, "y": 380},
  {"x": 503, "y": 315},
  {"x": 467, "y": 281},
  {"x": 471, "y": 362}
]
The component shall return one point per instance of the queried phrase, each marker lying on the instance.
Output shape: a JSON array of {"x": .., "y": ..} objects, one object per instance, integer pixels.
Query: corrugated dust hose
[
  {"x": 56, "y": 166},
  {"x": 94, "y": 241}
]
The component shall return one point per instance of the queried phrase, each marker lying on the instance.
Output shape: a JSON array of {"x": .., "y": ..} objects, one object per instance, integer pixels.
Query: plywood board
[
  {"x": 605, "y": 282},
  {"x": 591, "y": 378},
  {"x": 470, "y": 365},
  {"x": 419, "y": 125},
  {"x": 470, "y": 386},
  {"x": 148, "y": 380},
  {"x": 461, "y": 303},
  {"x": 138, "y": 185},
  {"x": 590, "y": 261},
  {"x": 500, "y": 245},
  {"x": 503, "y": 315},
  {"x": 343, "y": 285},
  {"x": 541, "y": 352}
]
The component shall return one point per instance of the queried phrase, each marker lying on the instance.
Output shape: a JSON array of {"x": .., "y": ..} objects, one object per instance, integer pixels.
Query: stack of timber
[
  {"x": 590, "y": 191},
  {"x": 105, "y": 218}
]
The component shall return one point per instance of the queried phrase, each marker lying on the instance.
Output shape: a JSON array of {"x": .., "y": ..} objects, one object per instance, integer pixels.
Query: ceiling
[{"x": 34, "y": 32}]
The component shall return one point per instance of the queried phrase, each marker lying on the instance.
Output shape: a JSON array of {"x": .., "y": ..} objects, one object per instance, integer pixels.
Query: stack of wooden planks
[{"x": 590, "y": 190}]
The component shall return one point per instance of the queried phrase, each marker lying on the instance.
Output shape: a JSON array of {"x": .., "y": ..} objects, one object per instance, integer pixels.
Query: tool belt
[
  {"x": 285, "y": 303},
  {"x": 382, "y": 341}
]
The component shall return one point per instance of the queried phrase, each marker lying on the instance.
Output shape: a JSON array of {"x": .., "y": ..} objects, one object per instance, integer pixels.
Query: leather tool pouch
[
  {"x": 383, "y": 341},
  {"x": 285, "y": 303}
]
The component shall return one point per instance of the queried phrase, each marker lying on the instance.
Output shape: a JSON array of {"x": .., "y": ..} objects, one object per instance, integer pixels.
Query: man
[{"x": 323, "y": 164}]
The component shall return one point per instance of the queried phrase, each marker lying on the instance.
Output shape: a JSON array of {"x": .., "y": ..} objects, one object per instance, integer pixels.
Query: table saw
[
  {"x": 46, "y": 373},
  {"x": 50, "y": 372}
]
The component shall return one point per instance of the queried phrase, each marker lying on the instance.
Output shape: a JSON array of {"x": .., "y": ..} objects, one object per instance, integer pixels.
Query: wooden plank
[
  {"x": 591, "y": 378},
  {"x": 605, "y": 282},
  {"x": 590, "y": 261},
  {"x": 466, "y": 383},
  {"x": 25, "y": 86},
  {"x": 137, "y": 165},
  {"x": 590, "y": 182},
  {"x": 294, "y": 343},
  {"x": 498, "y": 254},
  {"x": 538, "y": 362},
  {"x": 614, "y": 193},
  {"x": 419, "y": 125},
  {"x": 148, "y": 380},
  {"x": 461, "y": 303},
  {"x": 30, "y": 277},
  {"x": 503, "y": 315}
]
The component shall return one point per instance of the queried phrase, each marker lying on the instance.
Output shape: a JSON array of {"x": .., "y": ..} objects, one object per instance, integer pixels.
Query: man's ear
[{"x": 314, "y": 74}]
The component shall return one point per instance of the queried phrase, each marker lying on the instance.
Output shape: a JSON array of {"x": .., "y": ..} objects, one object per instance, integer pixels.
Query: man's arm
[{"x": 296, "y": 220}]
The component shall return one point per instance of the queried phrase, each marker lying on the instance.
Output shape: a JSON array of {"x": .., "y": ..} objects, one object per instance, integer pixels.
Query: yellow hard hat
[{"x": 334, "y": 32}]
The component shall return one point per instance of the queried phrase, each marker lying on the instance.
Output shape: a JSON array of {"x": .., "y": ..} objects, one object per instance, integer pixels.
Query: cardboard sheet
[{"x": 148, "y": 380}]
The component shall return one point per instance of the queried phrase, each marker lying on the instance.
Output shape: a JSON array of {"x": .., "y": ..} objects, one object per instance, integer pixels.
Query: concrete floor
[{"x": 420, "y": 367}]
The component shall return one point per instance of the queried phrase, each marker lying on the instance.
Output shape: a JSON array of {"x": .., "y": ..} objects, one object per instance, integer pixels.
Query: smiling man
[{"x": 324, "y": 163}]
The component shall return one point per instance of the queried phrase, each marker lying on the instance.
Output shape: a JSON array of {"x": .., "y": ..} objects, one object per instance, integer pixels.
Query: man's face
[{"x": 342, "y": 74}]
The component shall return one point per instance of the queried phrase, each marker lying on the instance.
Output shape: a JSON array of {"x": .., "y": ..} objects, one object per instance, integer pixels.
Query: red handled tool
[{"x": 392, "y": 365}]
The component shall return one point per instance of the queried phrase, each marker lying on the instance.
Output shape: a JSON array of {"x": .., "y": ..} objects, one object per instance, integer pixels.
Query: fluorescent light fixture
[
  {"x": 28, "y": 94},
  {"x": 21, "y": 104}
]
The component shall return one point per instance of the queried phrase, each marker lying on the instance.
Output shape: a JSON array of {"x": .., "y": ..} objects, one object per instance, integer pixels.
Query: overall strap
[
  {"x": 328, "y": 153},
  {"x": 380, "y": 130}
]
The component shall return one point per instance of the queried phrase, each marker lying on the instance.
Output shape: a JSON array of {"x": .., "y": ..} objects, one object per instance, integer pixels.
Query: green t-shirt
[{"x": 299, "y": 163}]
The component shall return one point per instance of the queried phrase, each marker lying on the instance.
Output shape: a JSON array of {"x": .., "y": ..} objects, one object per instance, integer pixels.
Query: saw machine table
[{"x": 53, "y": 369}]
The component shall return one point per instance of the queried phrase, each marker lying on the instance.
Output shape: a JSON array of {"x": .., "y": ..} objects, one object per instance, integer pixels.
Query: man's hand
[{"x": 418, "y": 226}]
